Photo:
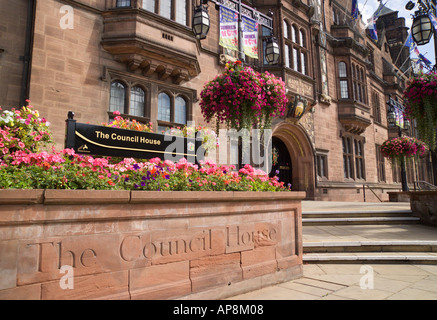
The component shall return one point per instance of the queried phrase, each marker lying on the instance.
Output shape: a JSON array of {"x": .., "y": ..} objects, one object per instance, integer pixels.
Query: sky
[{"x": 368, "y": 7}]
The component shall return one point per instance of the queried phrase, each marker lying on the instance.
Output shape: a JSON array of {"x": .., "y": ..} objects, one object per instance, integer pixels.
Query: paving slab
[
  {"x": 357, "y": 293},
  {"x": 312, "y": 206},
  {"x": 416, "y": 232},
  {"x": 276, "y": 293},
  {"x": 345, "y": 282},
  {"x": 413, "y": 294}
]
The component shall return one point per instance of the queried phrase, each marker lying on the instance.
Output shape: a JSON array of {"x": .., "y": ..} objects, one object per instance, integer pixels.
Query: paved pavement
[
  {"x": 355, "y": 282},
  {"x": 339, "y": 205},
  {"x": 358, "y": 281}
]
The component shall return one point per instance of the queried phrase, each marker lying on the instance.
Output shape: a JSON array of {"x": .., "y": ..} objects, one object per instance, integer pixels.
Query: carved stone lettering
[
  {"x": 41, "y": 260},
  {"x": 247, "y": 237}
]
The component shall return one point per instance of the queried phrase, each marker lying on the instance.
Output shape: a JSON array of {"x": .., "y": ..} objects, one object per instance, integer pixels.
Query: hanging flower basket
[
  {"x": 420, "y": 98},
  {"x": 398, "y": 148},
  {"x": 241, "y": 97}
]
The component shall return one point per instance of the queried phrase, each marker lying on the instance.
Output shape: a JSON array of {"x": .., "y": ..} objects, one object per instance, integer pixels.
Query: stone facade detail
[
  {"x": 72, "y": 69},
  {"x": 84, "y": 244}
]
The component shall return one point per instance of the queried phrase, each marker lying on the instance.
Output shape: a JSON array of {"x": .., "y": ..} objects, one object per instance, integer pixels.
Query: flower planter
[
  {"x": 424, "y": 206},
  {"x": 88, "y": 244}
]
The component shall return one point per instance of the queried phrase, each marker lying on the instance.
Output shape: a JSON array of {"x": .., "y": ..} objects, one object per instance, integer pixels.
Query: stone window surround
[
  {"x": 351, "y": 156},
  {"x": 343, "y": 77},
  {"x": 380, "y": 164},
  {"x": 152, "y": 89},
  {"x": 356, "y": 81},
  {"x": 138, "y": 4},
  {"x": 298, "y": 43},
  {"x": 359, "y": 87},
  {"x": 322, "y": 165}
]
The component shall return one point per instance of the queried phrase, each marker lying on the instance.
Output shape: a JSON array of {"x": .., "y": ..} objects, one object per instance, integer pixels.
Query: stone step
[
  {"x": 412, "y": 251},
  {"x": 370, "y": 246},
  {"x": 335, "y": 224},
  {"x": 356, "y": 214},
  {"x": 359, "y": 220},
  {"x": 366, "y": 257}
]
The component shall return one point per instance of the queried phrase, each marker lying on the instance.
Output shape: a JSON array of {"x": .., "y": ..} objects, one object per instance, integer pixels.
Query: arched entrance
[
  {"x": 294, "y": 147},
  {"x": 282, "y": 162}
]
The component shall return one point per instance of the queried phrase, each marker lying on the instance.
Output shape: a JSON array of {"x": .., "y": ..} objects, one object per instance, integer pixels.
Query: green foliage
[
  {"x": 421, "y": 106},
  {"x": 22, "y": 130},
  {"x": 23, "y": 167}
]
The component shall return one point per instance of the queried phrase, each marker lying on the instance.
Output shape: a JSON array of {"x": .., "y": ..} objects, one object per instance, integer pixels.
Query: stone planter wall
[
  {"x": 399, "y": 196},
  {"x": 424, "y": 206},
  {"x": 63, "y": 244}
]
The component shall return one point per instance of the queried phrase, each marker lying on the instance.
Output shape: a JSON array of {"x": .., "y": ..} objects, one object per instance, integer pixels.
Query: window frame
[
  {"x": 360, "y": 170},
  {"x": 128, "y": 86},
  {"x": 354, "y": 162},
  {"x": 343, "y": 80},
  {"x": 152, "y": 89},
  {"x": 123, "y": 3},
  {"x": 287, "y": 52},
  {"x": 297, "y": 42},
  {"x": 123, "y": 107},
  {"x": 172, "y": 123},
  {"x": 131, "y": 101},
  {"x": 396, "y": 172},
  {"x": 322, "y": 166},
  {"x": 174, "y": 10},
  {"x": 380, "y": 164},
  {"x": 376, "y": 102},
  {"x": 348, "y": 158},
  {"x": 359, "y": 86}
]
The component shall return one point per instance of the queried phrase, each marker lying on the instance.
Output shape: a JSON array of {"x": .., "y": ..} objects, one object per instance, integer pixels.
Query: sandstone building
[{"x": 140, "y": 57}]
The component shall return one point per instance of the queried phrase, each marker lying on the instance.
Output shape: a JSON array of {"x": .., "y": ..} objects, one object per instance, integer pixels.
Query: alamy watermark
[
  {"x": 67, "y": 280},
  {"x": 67, "y": 20},
  {"x": 367, "y": 281},
  {"x": 230, "y": 147}
]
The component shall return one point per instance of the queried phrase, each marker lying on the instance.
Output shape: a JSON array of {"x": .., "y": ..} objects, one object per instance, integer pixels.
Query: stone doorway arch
[
  {"x": 301, "y": 154},
  {"x": 282, "y": 167}
]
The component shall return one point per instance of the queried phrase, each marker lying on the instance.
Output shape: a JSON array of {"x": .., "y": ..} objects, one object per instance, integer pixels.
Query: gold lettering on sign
[{"x": 118, "y": 137}]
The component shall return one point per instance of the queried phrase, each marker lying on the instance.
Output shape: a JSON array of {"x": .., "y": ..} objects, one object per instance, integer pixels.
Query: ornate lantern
[
  {"x": 272, "y": 51},
  {"x": 422, "y": 28},
  {"x": 391, "y": 117},
  {"x": 201, "y": 22}
]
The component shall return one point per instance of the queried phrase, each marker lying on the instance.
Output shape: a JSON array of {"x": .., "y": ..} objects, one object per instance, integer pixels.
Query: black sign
[{"x": 107, "y": 141}]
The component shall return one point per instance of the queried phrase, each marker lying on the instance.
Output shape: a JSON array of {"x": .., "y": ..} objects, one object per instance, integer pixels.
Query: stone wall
[
  {"x": 424, "y": 206},
  {"x": 13, "y": 24},
  {"x": 63, "y": 244}
]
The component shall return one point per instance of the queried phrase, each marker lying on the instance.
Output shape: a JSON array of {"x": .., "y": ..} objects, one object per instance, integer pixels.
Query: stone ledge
[
  {"x": 217, "y": 243},
  {"x": 51, "y": 196},
  {"x": 86, "y": 196},
  {"x": 21, "y": 196},
  {"x": 214, "y": 196},
  {"x": 424, "y": 206},
  {"x": 398, "y": 196}
]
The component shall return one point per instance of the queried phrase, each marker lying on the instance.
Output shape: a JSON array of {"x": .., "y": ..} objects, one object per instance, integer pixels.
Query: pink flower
[
  {"x": 155, "y": 160},
  {"x": 69, "y": 152}
]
